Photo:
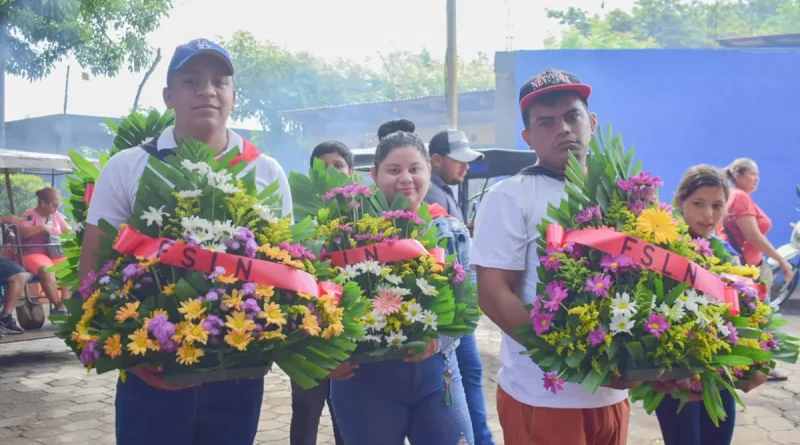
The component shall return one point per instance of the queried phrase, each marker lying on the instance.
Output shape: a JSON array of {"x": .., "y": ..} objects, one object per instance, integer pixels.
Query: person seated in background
[
  {"x": 335, "y": 154},
  {"x": 307, "y": 405},
  {"x": 14, "y": 278},
  {"x": 41, "y": 225}
]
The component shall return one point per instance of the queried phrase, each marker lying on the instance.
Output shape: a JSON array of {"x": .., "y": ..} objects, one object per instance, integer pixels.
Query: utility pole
[{"x": 451, "y": 81}]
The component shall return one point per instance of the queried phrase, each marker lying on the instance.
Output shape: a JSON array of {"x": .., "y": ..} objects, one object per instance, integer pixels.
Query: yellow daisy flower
[
  {"x": 91, "y": 302},
  {"x": 239, "y": 339},
  {"x": 311, "y": 325},
  {"x": 169, "y": 290},
  {"x": 180, "y": 332},
  {"x": 227, "y": 279},
  {"x": 305, "y": 295},
  {"x": 333, "y": 330},
  {"x": 658, "y": 224},
  {"x": 195, "y": 333},
  {"x": 126, "y": 290},
  {"x": 239, "y": 320},
  {"x": 272, "y": 335},
  {"x": 130, "y": 310},
  {"x": 272, "y": 314},
  {"x": 113, "y": 346},
  {"x": 187, "y": 354},
  {"x": 233, "y": 301},
  {"x": 139, "y": 342},
  {"x": 192, "y": 309},
  {"x": 265, "y": 292}
]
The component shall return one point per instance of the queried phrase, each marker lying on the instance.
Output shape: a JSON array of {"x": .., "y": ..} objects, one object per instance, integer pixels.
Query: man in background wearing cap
[
  {"x": 450, "y": 157},
  {"x": 554, "y": 106},
  {"x": 200, "y": 91}
]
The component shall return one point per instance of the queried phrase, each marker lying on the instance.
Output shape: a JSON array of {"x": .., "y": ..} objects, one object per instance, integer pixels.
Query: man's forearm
[{"x": 505, "y": 309}]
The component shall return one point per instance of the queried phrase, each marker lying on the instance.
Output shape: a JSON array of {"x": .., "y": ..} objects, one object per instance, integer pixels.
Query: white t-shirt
[
  {"x": 505, "y": 238},
  {"x": 115, "y": 192}
]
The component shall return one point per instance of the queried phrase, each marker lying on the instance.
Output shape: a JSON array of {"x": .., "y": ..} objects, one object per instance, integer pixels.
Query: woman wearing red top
[{"x": 745, "y": 225}]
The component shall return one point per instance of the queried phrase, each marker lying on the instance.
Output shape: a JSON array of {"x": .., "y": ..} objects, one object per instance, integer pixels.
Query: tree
[
  {"x": 23, "y": 188},
  {"x": 271, "y": 79},
  {"x": 102, "y": 35},
  {"x": 675, "y": 23}
]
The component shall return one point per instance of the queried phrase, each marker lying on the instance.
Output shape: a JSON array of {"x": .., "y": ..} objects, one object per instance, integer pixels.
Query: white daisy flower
[
  {"x": 228, "y": 189},
  {"x": 153, "y": 215},
  {"x": 429, "y": 320},
  {"x": 723, "y": 330},
  {"x": 620, "y": 324},
  {"x": 623, "y": 306},
  {"x": 674, "y": 313},
  {"x": 265, "y": 213},
  {"x": 217, "y": 248},
  {"x": 393, "y": 279},
  {"x": 351, "y": 271},
  {"x": 426, "y": 288},
  {"x": 105, "y": 280},
  {"x": 396, "y": 339},
  {"x": 371, "y": 338},
  {"x": 78, "y": 227},
  {"x": 374, "y": 321},
  {"x": 371, "y": 266},
  {"x": 189, "y": 194},
  {"x": 223, "y": 231},
  {"x": 218, "y": 178},
  {"x": 413, "y": 313}
]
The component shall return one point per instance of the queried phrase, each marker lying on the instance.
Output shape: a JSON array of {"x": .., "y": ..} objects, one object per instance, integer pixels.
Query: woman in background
[
  {"x": 39, "y": 226},
  {"x": 746, "y": 226}
]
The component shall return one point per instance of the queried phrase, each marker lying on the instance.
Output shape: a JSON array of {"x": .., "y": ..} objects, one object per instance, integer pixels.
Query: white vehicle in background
[{"x": 782, "y": 290}]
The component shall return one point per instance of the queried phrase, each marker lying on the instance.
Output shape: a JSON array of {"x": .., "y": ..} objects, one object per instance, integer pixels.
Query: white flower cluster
[
  {"x": 209, "y": 235},
  {"x": 220, "y": 180}
]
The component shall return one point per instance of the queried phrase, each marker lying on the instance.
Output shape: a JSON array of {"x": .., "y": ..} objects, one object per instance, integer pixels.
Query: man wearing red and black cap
[
  {"x": 148, "y": 410},
  {"x": 555, "y": 113}
]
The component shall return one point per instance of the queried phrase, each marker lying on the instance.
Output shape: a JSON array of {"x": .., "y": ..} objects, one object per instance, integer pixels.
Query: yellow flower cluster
[
  {"x": 276, "y": 233},
  {"x": 278, "y": 254},
  {"x": 759, "y": 318}
]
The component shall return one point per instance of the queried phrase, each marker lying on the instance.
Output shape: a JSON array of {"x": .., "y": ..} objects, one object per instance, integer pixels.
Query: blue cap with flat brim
[{"x": 188, "y": 51}]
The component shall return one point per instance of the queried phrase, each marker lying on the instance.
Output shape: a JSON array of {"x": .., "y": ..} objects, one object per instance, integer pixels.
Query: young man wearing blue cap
[{"x": 200, "y": 91}]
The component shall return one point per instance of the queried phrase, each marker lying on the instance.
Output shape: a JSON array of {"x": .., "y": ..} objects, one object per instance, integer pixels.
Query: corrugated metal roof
[
  {"x": 769, "y": 41},
  {"x": 383, "y": 102}
]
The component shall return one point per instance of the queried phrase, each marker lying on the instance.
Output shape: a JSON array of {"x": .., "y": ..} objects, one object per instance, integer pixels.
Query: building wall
[{"x": 685, "y": 107}]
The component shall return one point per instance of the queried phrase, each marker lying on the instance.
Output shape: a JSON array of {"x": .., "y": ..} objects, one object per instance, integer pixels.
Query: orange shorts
[
  {"x": 35, "y": 261},
  {"x": 529, "y": 425}
]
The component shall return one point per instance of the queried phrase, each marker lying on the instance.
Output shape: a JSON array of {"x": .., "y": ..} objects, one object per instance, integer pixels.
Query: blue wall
[{"x": 685, "y": 107}]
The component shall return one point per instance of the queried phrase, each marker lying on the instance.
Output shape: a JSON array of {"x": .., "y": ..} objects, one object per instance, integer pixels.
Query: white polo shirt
[
  {"x": 115, "y": 191},
  {"x": 505, "y": 238}
]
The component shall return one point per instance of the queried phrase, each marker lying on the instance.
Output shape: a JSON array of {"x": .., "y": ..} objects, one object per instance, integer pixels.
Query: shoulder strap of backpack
[
  {"x": 731, "y": 239},
  {"x": 151, "y": 147}
]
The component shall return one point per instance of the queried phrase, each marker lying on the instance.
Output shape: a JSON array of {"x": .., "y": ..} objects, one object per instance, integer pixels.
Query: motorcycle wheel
[{"x": 782, "y": 291}]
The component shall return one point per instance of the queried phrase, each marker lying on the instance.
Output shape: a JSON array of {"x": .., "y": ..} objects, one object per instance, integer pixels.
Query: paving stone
[
  {"x": 775, "y": 423},
  {"x": 88, "y": 407},
  {"x": 83, "y": 425},
  {"x": 785, "y": 437}
]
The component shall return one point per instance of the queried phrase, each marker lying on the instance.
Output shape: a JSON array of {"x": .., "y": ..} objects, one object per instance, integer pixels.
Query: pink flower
[
  {"x": 552, "y": 382},
  {"x": 696, "y": 385},
  {"x": 589, "y": 214},
  {"x": 541, "y": 323},
  {"x": 598, "y": 285},
  {"x": 557, "y": 292},
  {"x": 551, "y": 261},
  {"x": 656, "y": 325},
  {"x": 387, "y": 302},
  {"x": 636, "y": 207},
  {"x": 733, "y": 336},
  {"x": 458, "y": 273},
  {"x": 666, "y": 207},
  {"x": 598, "y": 336},
  {"x": 703, "y": 247},
  {"x": 615, "y": 264}
]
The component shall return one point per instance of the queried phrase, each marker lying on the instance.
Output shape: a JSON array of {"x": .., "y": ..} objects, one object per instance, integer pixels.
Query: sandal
[{"x": 777, "y": 376}]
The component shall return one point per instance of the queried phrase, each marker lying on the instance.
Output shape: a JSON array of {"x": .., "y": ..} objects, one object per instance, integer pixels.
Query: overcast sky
[{"x": 348, "y": 28}]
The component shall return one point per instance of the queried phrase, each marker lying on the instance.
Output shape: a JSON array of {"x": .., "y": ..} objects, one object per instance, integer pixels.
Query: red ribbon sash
[
  {"x": 648, "y": 256},
  {"x": 87, "y": 195},
  {"x": 179, "y": 254},
  {"x": 404, "y": 249}
]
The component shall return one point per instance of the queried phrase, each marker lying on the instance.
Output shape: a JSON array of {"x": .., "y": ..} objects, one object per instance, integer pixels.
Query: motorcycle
[{"x": 781, "y": 290}]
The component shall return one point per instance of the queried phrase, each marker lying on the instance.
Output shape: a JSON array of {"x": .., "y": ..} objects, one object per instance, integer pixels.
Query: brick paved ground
[{"x": 47, "y": 398}]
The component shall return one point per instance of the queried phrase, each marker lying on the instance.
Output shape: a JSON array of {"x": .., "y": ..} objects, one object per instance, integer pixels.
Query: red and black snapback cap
[{"x": 551, "y": 80}]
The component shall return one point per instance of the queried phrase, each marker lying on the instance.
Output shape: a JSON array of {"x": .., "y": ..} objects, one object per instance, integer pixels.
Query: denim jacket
[{"x": 458, "y": 242}]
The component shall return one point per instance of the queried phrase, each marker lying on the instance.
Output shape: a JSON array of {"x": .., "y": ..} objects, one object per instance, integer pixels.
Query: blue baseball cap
[{"x": 186, "y": 52}]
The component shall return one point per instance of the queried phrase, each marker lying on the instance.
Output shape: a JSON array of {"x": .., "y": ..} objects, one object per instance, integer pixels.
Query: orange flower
[
  {"x": 227, "y": 279},
  {"x": 239, "y": 338},
  {"x": 130, "y": 310},
  {"x": 113, "y": 346}
]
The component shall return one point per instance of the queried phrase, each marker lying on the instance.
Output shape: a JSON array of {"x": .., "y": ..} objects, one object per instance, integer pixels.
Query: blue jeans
[
  {"x": 307, "y": 405},
  {"x": 387, "y": 402},
  {"x": 210, "y": 414},
  {"x": 469, "y": 363},
  {"x": 693, "y": 426}
]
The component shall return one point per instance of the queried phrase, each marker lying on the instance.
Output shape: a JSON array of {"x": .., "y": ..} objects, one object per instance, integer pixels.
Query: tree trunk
[{"x": 146, "y": 76}]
